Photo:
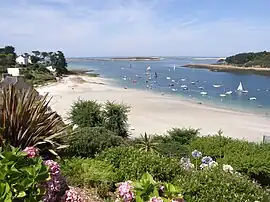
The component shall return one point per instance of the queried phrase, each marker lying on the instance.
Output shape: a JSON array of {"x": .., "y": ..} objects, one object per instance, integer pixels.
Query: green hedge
[
  {"x": 216, "y": 185},
  {"x": 131, "y": 164}
]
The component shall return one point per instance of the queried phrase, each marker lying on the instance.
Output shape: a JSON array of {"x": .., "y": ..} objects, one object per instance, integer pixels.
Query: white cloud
[{"x": 116, "y": 27}]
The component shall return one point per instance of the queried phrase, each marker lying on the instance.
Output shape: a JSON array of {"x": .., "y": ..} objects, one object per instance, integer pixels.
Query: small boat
[
  {"x": 252, "y": 98},
  {"x": 174, "y": 67},
  {"x": 245, "y": 91},
  {"x": 173, "y": 89},
  {"x": 173, "y": 80},
  {"x": 228, "y": 93},
  {"x": 124, "y": 78},
  {"x": 125, "y": 87},
  {"x": 168, "y": 77},
  {"x": 201, "y": 88},
  {"x": 203, "y": 93},
  {"x": 216, "y": 85},
  {"x": 222, "y": 95},
  {"x": 183, "y": 79},
  {"x": 148, "y": 68},
  {"x": 183, "y": 86},
  {"x": 192, "y": 82}
]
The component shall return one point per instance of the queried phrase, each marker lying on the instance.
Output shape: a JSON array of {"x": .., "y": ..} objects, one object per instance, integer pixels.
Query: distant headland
[{"x": 254, "y": 63}]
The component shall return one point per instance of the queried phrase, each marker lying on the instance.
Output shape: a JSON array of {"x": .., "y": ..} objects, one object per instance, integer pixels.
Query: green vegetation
[
  {"x": 21, "y": 177},
  {"x": 261, "y": 59},
  {"x": 7, "y": 58},
  {"x": 111, "y": 115},
  {"x": 87, "y": 142}
]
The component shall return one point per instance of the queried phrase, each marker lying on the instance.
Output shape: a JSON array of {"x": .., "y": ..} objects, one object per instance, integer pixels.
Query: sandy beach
[{"x": 154, "y": 113}]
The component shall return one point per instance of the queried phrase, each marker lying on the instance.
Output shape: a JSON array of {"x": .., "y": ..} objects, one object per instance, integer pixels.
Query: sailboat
[
  {"x": 241, "y": 89},
  {"x": 148, "y": 68},
  {"x": 174, "y": 67}
]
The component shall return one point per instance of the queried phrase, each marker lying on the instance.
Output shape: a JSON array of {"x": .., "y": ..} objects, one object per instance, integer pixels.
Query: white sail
[
  {"x": 148, "y": 68},
  {"x": 240, "y": 87},
  {"x": 174, "y": 67}
]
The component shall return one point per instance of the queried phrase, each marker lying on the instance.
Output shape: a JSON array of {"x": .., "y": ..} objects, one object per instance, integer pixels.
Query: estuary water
[{"x": 168, "y": 76}]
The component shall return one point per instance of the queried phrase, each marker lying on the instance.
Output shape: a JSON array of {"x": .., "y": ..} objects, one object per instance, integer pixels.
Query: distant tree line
[
  {"x": 261, "y": 59},
  {"x": 7, "y": 58}
]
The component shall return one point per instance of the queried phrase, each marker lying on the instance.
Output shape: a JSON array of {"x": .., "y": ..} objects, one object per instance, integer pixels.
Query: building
[
  {"x": 13, "y": 71},
  {"x": 22, "y": 60}
]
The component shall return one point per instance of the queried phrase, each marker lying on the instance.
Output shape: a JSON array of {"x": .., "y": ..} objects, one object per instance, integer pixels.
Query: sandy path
[{"x": 154, "y": 113}]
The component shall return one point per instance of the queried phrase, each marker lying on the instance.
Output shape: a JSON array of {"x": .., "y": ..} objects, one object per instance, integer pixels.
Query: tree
[
  {"x": 34, "y": 59},
  {"x": 116, "y": 117},
  {"x": 44, "y": 54},
  {"x": 59, "y": 62},
  {"x": 36, "y": 53},
  {"x": 9, "y": 50},
  {"x": 147, "y": 143}
]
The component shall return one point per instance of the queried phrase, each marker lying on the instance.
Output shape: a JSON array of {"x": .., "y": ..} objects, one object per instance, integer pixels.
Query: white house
[
  {"x": 13, "y": 71},
  {"x": 22, "y": 60}
]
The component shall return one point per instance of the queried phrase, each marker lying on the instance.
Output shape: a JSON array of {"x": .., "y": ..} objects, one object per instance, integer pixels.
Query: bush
[
  {"x": 88, "y": 172},
  {"x": 87, "y": 142},
  {"x": 216, "y": 185},
  {"x": 131, "y": 164},
  {"x": 21, "y": 177},
  {"x": 247, "y": 158},
  {"x": 116, "y": 117},
  {"x": 182, "y": 135},
  {"x": 86, "y": 113}
]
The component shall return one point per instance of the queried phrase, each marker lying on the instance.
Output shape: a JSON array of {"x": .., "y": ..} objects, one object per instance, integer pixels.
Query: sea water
[{"x": 132, "y": 74}]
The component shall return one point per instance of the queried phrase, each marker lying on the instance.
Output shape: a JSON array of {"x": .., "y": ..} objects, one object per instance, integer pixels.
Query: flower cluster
[
  {"x": 125, "y": 192},
  {"x": 156, "y": 199},
  {"x": 208, "y": 162},
  {"x": 31, "y": 152},
  {"x": 186, "y": 163},
  {"x": 228, "y": 168},
  {"x": 56, "y": 188}
]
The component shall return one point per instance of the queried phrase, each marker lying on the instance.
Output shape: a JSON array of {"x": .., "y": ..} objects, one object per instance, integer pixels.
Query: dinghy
[
  {"x": 173, "y": 89},
  {"x": 168, "y": 77},
  {"x": 228, "y": 93},
  {"x": 222, "y": 95},
  {"x": 203, "y": 93},
  {"x": 252, "y": 98},
  {"x": 216, "y": 85},
  {"x": 192, "y": 82},
  {"x": 183, "y": 86},
  {"x": 183, "y": 79},
  {"x": 201, "y": 88},
  {"x": 174, "y": 67}
]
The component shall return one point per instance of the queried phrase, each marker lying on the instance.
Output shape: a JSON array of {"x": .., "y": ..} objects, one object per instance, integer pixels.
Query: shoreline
[
  {"x": 232, "y": 68},
  {"x": 154, "y": 113}
]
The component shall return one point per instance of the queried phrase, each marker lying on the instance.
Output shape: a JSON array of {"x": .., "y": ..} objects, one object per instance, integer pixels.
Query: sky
[{"x": 82, "y": 28}]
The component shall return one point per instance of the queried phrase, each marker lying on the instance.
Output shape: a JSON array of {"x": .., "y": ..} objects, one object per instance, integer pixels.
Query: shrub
[
  {"x": 146, "y": 143},
  {"x": 182, "y": 135},
  {"x": 217, "y": 185},
  {"x": 86, "y": 113},
  {"x": 131, "y": 164},
  {"x": 88, "y": 172},
  {"x": 87, "y": 142},
  {"x": 21, "y": 177},
  {"x": 248, "y": 158},
  {"x": 116, "y": 117},
  {"x": 27, "y": 121}
]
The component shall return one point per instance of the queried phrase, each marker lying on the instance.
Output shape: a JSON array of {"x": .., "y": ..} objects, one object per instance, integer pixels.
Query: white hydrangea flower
[{"x": 227, "y": 168}]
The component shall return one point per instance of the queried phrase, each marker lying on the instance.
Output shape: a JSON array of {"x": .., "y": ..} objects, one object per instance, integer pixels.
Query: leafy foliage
[
  {"x": 27, "y": 121},
  {"x": 87, "y": 142},
  {"x": 131, "y": 164},
  {"x": 88, "y": 172},
  {"x": 20, "y": 177},
  {"x": 116, "y": 117},
  {"x": 216, "y": 185},
  {"x": 86, "y": 113}
]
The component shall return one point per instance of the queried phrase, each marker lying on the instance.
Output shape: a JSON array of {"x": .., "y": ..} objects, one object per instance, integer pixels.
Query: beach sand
[{"x": 154, "y": 113}]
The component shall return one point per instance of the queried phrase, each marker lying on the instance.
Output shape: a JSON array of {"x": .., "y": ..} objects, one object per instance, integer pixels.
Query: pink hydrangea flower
[
  {"x": 125, "y": 192},
  {"x": 72, "y": 196},
  {"x": 155, "y": 199},
  {"x": 53, "y": 166},
  {"x": 31, "y": 152}
]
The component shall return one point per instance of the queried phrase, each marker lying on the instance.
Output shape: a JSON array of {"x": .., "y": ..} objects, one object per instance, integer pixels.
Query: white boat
[
  {"x": 228, "y": 93},
  {"x": 252, "y": 98},
  {"x": 174, "y": 67},
  {"x": 203, "y": 93},
  {"x": 222, "y": 95},
  {"x": 216, "y": 85},
  {"x": 148, "y": 68},
  {"x": 183, "y": 79},
  {"x": 173, "y": 80},
  {"x": 200, "y": 87},
  {"x": 192, "y": 82},
  {"x": 173, "y": 89},
  {"x": 168, "y": 77},
  {"x": 245, "y": 91},
  {"x": 183, "y": 86}
]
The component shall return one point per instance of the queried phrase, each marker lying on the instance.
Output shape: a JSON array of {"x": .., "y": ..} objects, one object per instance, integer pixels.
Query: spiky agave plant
[{"x": 27, "y": 121}]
